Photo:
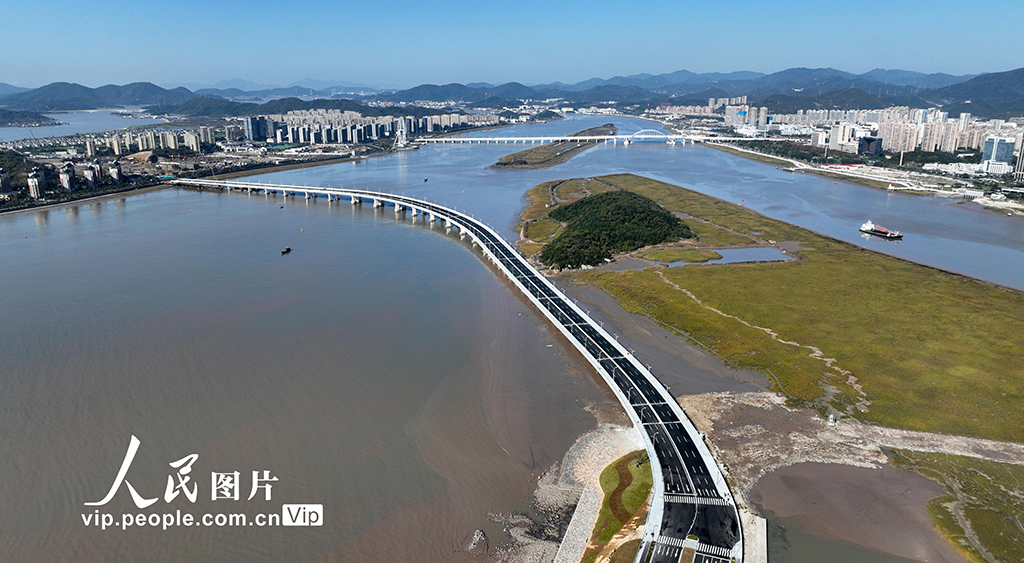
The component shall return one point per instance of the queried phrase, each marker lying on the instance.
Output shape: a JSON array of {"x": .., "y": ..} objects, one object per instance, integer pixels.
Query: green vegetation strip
[
  {"x": 626, "y": 484},
  {"x": 601, "y": 225},
  {"x": 550, "y": 154},
  {"x": 988, "y": 496},
  {"x": 693, "y": 255},
  {"x": 932, "y": 351}
]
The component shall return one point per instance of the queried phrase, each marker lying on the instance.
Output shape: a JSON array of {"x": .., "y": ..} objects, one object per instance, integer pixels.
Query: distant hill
[
  {"x": 653, "y": 81},
  {"x": 206, "y": 107},
  {"x": 436, "y": 93},
  {"x": 142, "y": 93},
  {"x": 610, "y": 92},
  {"x": 495, "y": 102},
  {"x": 9, "y": 89},
  {"x": 219, "y": 107},
  {"x": 21, "y": 118},
  {"x": 54, "y": 97},
  {"x": 290, "y": 91},
  {"x": 510, "y": 91},
  {"x": 61, "y": 96},
  {"x": 847, "y": 98},
  {"x": 915, "y": 79},
  {"x": 331, "y": 84},
  {"x": 996, "y": 94}
]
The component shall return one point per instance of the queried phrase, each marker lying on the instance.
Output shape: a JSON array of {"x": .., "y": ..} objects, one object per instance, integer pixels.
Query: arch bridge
[{"x": 692, "y": 507}]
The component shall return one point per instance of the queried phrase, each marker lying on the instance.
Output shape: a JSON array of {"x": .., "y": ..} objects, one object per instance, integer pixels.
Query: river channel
[{"x": 380, "y": 369}]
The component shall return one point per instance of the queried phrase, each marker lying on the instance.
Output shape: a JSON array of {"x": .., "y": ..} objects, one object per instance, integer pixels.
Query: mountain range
[{"x": 987, "y": 95}]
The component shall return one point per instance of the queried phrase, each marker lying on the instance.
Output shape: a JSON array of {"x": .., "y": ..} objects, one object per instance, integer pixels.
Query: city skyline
[{"x": 403, "y": 44}]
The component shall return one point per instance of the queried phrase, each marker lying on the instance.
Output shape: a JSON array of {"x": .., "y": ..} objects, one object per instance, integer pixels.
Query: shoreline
[
  {"x": 802, "y": 167},
  {"x": 163, "y": 185},
  {"x": 581, "y": 472}
]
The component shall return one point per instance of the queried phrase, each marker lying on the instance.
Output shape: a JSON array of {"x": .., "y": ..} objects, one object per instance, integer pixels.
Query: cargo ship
[{"x": 880, "y": 231}]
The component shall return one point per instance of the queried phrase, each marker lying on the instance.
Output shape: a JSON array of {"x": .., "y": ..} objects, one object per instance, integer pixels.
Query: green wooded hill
[
  {"x": 218, "y": 107},
  {"x": 18, "y": 118},
  {"x": 17, "y": 168},
  {"x": 601, "y": 225}
]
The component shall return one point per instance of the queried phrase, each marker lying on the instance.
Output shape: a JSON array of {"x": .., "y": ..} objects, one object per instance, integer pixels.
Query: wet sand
[{"x": 880, "y": 509}]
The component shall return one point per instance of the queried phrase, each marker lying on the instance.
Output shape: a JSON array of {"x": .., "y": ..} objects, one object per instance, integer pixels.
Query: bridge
[
  {"x": 644, "y": 135},
  {"x": 692, "y": 507}
]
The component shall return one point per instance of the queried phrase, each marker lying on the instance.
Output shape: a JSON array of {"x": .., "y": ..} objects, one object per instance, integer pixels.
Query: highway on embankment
[{"x": 692, "y": 507}]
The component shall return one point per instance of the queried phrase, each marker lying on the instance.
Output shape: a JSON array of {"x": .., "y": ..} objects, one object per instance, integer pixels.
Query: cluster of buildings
[
  {"x": 904, "y": 129},
  {"x": 737, "y": 112},
  {"x": 69, "y": 176},
  {"x": 130, "y": 141},
  {"x": 326, "y": 126}
]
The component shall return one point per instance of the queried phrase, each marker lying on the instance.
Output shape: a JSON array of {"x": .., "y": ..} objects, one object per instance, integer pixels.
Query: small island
[
  {"x": 20, "y": 118},
  {"x": 546, "y": 156},
  {"x": 596, "y": 227}
]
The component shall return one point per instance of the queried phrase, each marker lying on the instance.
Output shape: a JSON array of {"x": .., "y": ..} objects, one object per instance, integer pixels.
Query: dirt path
[{"x": 816, "y": 353}]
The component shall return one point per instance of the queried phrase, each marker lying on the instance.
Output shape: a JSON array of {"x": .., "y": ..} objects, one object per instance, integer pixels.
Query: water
[
  {"x": 962, "y": 238},
  {"x": 789, "y": 543},
  {"x": 380, "y": 369},
  {"x": 75, "y": 122}
]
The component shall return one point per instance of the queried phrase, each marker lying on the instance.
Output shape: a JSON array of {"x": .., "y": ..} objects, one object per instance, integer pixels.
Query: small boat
[
  {"x": 286, "y": 250},
  {"x": 424, "y": 179},
  {"x": 880, "y": 231}
]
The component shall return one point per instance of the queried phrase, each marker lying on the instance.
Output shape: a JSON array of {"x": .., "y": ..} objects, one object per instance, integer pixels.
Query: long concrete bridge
[
  {"x": 692, "y": 507},
  {"x": 639, "y": 136}
]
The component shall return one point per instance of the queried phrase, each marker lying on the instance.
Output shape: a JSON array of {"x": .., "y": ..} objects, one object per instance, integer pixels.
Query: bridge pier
[
  {"x": 356, "y": 200},
  {"x": 377, "y": 203}
]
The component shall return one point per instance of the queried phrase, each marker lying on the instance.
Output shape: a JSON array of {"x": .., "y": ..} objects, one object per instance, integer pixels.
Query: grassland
[
  {"x": 714, "y": 235},
  {"x": 542, "y": 230},
  {"x": 626, "y": 484},
  {"x": 550, "y": 154},
  {"x": 692, "y": 255},
  {"x": 982, "y": 514},
  {"x": 908, "y": 346}
]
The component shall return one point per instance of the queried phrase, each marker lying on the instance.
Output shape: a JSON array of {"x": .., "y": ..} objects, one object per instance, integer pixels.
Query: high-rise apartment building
[
  {"x": 192, "y": 141},
  {"x": 115, "y": 171},
  {"x": 206, "y": 135},
  {"x": 67, "y": 176},
  {"x": 37, "y": 184},
  {"x": 998, "y": 149},
  {"x": 898, "y": 136}
]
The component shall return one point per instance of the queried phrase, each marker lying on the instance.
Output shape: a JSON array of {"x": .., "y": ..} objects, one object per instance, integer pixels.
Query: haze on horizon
[{"x": 404, "y": 43}]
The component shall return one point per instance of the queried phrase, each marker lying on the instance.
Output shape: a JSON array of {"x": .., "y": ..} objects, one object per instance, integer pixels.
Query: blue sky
[{"x": 404, "y": 43}]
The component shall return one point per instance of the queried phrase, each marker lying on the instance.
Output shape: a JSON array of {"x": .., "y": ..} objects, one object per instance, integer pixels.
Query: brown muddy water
[{"x": 380, "y": 369}]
